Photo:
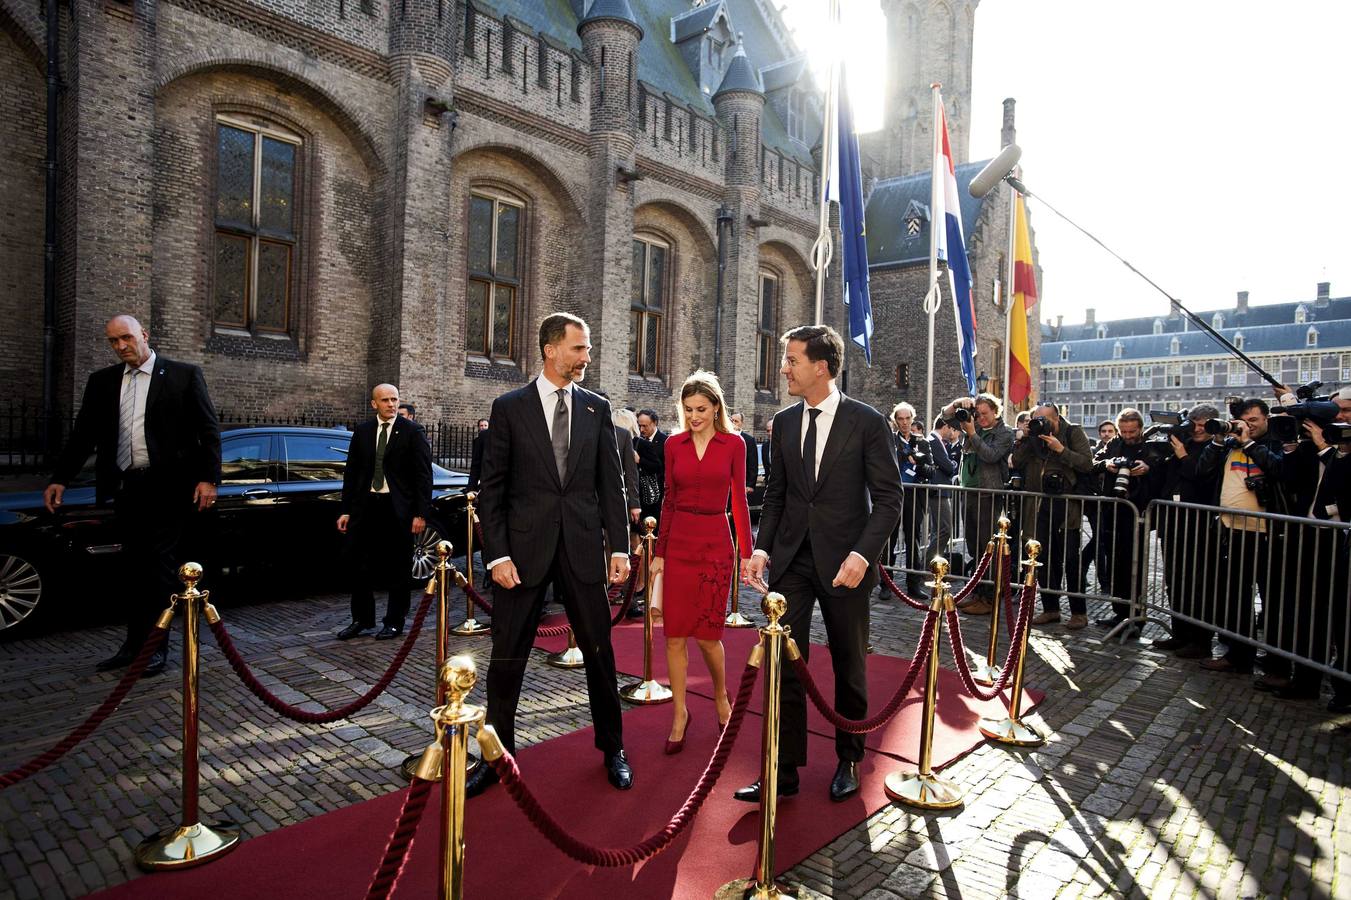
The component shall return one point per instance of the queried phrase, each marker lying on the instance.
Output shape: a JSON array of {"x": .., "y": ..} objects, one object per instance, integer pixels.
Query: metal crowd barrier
[
  {"x": 1278, "y": 583},
  {"x": 1092, "y": 547}
]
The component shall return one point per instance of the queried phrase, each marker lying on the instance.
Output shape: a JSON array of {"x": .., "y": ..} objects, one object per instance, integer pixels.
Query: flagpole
[
  {"x": 1009, "y": 293},
  {"x": 934, "y": 298},
  {"x": 823, "y": 249}
]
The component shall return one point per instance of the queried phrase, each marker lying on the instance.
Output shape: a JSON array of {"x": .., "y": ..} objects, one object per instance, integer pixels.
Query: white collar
[
  {"x": 379, "y": 421},
  {"x": 148, "y": 367},
  {"x": 548, "y": 390},
  {"x": 829, "y": 405}
]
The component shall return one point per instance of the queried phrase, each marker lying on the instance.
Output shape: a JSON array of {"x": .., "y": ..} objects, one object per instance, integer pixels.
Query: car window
[
  {"x": 246, "y": 459},
  {"x": 321, "y": 457}
]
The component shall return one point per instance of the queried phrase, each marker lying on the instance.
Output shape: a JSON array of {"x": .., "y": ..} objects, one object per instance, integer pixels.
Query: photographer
[
  {"x": 1106, "y": 431},
  {"x": 1127, "y": 475},
  {"x": 986, "y": 445},
  {"x": 1314, "y": 616},
  {"x": 1247, "y": 467},
  {"x": 1052, "y": 454},
  {"x": 1187, "y": 538},
  {"x": 914, "y": 455},
  {"x": 944, "y": 435}
]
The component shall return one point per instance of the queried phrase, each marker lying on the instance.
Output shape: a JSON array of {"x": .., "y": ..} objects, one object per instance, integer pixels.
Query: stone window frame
[
  {"x": 643, "y": 371},
  {"x": 499, "y": 194},
  {"x": 233, "y": 339},
  {"x": 767, "y": 333}
]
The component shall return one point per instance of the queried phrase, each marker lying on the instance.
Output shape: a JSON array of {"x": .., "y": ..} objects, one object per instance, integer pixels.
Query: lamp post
[
  {"x": 724, "y": 220},
  {"x": 982, "y": 382}
]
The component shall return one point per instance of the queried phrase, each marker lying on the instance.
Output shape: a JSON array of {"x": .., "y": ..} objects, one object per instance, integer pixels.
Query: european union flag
[{"x": 849, "y": 191}]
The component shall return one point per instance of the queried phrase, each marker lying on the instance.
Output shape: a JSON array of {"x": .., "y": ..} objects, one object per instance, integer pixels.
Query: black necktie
[
  {"x": 809, "y": 451},
  {"x": 378, "y": 480}
]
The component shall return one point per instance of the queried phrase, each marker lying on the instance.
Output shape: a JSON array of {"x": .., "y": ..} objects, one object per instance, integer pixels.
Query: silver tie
[
  {"x": 126, "y": 419},
  {"x": 560, "y": 435}
]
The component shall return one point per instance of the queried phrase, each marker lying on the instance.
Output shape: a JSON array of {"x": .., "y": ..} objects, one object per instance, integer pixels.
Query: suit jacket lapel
[
  {"x": 582, "y": 426},
  {"x": 537, "y": 427},
  {"x": 792, "y": 440},
  {"x": 840, "y": 430},
  {"x": 156, "y": 383}
]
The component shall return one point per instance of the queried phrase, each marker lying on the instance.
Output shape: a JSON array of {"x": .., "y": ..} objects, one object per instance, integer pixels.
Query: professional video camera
[
  {"x": 1178, "y": 424},
  {"x": 1286, "y": 422}
]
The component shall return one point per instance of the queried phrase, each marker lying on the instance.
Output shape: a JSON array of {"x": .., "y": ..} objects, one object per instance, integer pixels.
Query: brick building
[
  {"x": 306, "y": 198},
  {"x": 1095, "y": 369}
]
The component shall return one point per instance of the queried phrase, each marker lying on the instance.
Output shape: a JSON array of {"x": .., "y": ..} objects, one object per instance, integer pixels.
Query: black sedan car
[{"x": 278, "y": 505}]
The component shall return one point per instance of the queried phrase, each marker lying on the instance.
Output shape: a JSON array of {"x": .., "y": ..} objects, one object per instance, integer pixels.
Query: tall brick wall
[{"x": 23, "y": 136}]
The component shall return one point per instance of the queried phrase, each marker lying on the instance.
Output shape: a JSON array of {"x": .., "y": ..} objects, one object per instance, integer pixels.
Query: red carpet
[
  {"x": 955, "y": 718},
  {"x": 334, "y": 855}
]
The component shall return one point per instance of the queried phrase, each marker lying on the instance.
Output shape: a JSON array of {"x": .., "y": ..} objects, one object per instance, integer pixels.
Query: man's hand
[
  {"x": 749, "y": 491},
  {"x": 419, "y": 525},
  {"x": 634, "y": 514},
  {"x": 51, "y": 498},
  {"x": 504, "y": 574},
  {"x": 851, "y": 572},
  {"x": 753, "y": 573},
  {"x": 1315, "y": 433},
  {"x": 619, "y": 569},
  {"x": 204, "y": 495},
  {"x": 1179, "y": 448},
  {"x": 969, "y": 426},
  {"x": 342, "y": 523},
  {"x": 1242, "y": 433},
  {"x": 1140, "y": 468},
  {"x": 1053, "y": 442}
]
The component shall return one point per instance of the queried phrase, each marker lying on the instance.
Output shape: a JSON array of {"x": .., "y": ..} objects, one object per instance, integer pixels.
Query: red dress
[{"x": 695, "y": 542}]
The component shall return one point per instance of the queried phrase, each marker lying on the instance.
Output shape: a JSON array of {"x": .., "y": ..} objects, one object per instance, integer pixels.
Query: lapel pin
[{"x": 590, "y": 409}]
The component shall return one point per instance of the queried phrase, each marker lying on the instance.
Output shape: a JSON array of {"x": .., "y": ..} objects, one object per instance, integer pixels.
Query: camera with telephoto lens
[
  {"x": 1038, "y": 426},
  {"x": 1121, "y": 482},
  {"x": 1259, "y": 485},
  {"x": 1216, "y": 427},
  {"x": 1054, "y": 484},
  {"x": 1015, "y": 482},
  {"x": 916, "y": 450},
  {"x": 960, "y": 415}
]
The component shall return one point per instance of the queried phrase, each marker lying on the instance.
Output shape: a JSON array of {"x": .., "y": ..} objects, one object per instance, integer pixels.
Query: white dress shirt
[
  {"x": 548, "y": 399},
  {"x": 389, "y": 436},
  {"x": 140, "y": 452}
]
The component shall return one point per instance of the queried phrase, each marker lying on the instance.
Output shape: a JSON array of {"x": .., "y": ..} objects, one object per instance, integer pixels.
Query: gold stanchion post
[
  {"x": 445, "y": 760},
  {"x": 734, "y": 617},
  {"x": 768, "y": 656},
  {"x": 570, "y": 657},
  {"x": 470, "y": 626},
  {"x": 987, "y": 673},
  {"x": 445, "y": 569},
  {"x": 649, "y": 690},
  {"x": 190, "y": 842},
  {"x": 1010, "y": 729},
  {"x": 923, "y": 789}
]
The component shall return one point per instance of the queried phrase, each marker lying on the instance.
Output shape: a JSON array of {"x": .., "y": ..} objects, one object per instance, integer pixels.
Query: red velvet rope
[
  {"x": 864, "y": 726},
  {"x": 510, "y": 774},
  {"x": 251, "y": 681},
  {"x": 478, "y": 533},
  {"x": 896, "y": 590},
  {"x": 1010, "y": 659},
  {"x": 560, "y": 630},
  {"x": 477, "y": 598},
  {"x": 401, "y": 841},
  {"x": 628, "y": 598},
  {"x": 956, "y": 598},
  {"x": 975, "y": 578},
  {"x": 96, "y": 718}
]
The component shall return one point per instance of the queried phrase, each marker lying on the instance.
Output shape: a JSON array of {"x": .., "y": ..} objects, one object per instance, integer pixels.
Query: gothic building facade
[{"x": 307, "y": 198}]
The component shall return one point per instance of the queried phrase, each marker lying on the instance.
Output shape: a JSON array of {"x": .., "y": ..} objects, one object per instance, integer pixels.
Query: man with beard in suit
[
  {"x": 833, "y": 498},
  {"x": 151, "y": 423},
  {"x": 551, "y": 499}
]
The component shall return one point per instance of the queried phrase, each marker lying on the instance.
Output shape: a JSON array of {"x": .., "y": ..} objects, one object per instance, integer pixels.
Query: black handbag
[{"x": 649, "y": 490}]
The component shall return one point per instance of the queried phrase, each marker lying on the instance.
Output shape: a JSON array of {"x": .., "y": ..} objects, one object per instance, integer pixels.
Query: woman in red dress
[{"x": 705, "y": 466}]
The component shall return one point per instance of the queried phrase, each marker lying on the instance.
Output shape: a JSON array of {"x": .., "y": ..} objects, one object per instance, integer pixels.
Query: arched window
[
  {"x": 1311, "y": 339},
  {"x": 1117, "y": 349},
  {"x": 1174, "y": 347},
  {"x": 1064, "y": 354},
  {"x": 767, "y": 333},
  {"x": 1301, "y": 314},
  {"x": 257, "y": 226},
  {"x": 1102, "y": 332},
  {"x": 1158, "y": 326},
  {"x": 648, "y": 308},
  {"x": 1238, "y": 340},
  {"x": 1217, "y": 321},
  {"x": 493, "y": 287}
]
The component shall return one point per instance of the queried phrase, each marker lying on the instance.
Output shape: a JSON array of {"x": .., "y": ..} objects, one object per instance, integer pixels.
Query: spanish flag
[{"x": 1024, "y": 299}]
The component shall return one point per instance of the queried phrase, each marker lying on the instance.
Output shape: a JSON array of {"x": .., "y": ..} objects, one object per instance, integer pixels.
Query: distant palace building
[{"x": 1096, "y": 369}]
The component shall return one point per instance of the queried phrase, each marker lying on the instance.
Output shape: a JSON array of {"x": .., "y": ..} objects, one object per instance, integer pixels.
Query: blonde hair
[
  {"x": 625, "y": 418},
  {"x": 706, "y": 385}
]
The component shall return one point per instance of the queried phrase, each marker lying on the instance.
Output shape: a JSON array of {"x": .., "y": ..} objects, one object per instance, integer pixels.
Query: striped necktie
[{"x": 126, "y": 420}]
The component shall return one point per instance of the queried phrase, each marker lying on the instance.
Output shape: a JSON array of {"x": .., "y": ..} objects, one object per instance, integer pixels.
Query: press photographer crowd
[{"x": 1220, "y": 521}]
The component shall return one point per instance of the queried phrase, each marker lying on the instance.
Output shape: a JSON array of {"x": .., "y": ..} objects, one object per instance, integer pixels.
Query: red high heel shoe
[{"x": 674, "y": 747}]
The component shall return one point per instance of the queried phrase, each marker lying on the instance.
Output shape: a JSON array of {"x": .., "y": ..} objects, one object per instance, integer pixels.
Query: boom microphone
[{"x": 995, "y": 170}]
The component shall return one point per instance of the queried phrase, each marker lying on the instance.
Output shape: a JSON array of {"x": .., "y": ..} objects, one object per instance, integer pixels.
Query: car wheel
[
  {"x": 21, "y": 587},
  {"x": 424, "y": 551}
]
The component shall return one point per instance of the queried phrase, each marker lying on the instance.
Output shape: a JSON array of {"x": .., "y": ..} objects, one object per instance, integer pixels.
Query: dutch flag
[{"x": 947, "y": 222}]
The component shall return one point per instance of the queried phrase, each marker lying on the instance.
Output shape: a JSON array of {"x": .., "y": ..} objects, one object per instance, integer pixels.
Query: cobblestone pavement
[{"x": 1159, "y": 779}]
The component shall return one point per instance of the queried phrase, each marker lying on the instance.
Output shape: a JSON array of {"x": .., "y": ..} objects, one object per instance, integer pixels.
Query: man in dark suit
[
  {"x": 551, "y": 500},
  {"x": 832, "y": 500},
  {"x": 752, "y": 456},
  {"x": 476, "y": 455},
  {"x": 386, "y": 494},
  {"x": 151, "y": 423}
]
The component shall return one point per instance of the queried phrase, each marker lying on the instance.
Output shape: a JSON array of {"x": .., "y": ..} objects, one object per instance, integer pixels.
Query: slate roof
[
  {"x": 610, "y": 9},
  {"x": 695, "y": 21},
  {"x": 740, "y": 75},
  {"x": 1270, "y": 314},
  {"x": 1284, "y": 338},
  {"x": 889, "y": 244}
]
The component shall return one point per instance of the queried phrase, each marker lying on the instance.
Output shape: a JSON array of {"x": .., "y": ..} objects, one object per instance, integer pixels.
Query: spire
[
  {"x": 616, "y": 10},
  {"x": 741, "y": 75}
]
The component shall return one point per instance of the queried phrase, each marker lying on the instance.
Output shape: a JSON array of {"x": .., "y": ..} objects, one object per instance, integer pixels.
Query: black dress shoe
[
  {"x": 788, "y": 787},
  {"x": 1172, "y": 643},
  {"x": 353, "y": 630},
  {"x": 1109, "y": 622},
  {"x": 636, "y": 611},
  {"x": 618, "y": 770},
  {"x": 483, "y": 777},
  {"x": 156, "y": 663},
  {"x": 388, "y": 633},
  {"x": 119, "y": 660},
  {"x": 845, "y": 783}
]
